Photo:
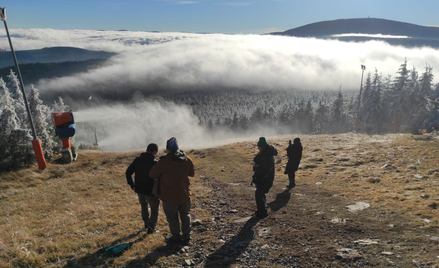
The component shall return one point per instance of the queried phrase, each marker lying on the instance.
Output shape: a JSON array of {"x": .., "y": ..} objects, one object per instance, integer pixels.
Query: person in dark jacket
[
  {"x": 143, "y": 185},
  {"x": 263, "y": 177},
  {"x": 294, "y": 153}
]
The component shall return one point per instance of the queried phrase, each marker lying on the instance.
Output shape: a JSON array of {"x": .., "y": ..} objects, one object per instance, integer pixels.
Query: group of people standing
[
  {"x": 168, "y": 180},
  {"x": 264, "y": 170}
]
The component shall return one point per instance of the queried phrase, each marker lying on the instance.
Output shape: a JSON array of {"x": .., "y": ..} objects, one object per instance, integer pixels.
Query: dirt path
[{"x": 307, "y": 227}]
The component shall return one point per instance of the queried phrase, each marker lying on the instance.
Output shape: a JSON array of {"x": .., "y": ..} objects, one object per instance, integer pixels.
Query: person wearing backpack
[
  {"x": 294, "y": 153},
  {"x": 263, "y": 167},
  {"x": 143, "y": 185}
]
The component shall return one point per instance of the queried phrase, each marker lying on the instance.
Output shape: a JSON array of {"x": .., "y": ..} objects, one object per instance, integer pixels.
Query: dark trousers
[
  {"x": 173, "y": 214},
  {"x": 153, "y": 202},
  {"x": 292, "y": 178},
  {"x": 261, "y": 201}
]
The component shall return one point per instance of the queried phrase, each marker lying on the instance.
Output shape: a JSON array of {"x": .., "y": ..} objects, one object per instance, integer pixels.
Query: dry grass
[{"x": 64, "y": 215}]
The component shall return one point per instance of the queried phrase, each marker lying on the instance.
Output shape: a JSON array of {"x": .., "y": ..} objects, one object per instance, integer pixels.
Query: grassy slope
[{"x": 70, "y": 212}]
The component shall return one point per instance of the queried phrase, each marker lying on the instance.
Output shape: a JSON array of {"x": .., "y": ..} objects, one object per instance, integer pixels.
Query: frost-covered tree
[
  {"x": 426, "y": 81},
  {"x": 398, "y": 98},
  {"x": 308, "y": 119},
  {"x": 244, "y": 122},
  {"x": 371, "y": 109},
  {"x": 13, "y": 85},
  {"x": 15, "y": 142},
  {"x": 428, "y": 113},
  {"x": 257, "y": 117},
  {"x": 59, "y": 106},
  {"x": 286, "y": 118},
  {"x": 40, "y": 114},
  {"x": 338, "y": 121},
  {"x": 321, "y": 119}
]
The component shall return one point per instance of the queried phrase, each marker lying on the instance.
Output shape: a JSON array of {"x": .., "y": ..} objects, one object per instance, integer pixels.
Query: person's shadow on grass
[
  {"x": 281, "y": 200},
  {"x": 151, "y": 259},
  {"x": 100, "y": 258},
  {"x": 227, "y": 254}
]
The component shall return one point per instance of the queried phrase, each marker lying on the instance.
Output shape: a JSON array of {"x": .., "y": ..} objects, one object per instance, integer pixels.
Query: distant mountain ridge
[
  {"x": 363, "y": 26},
  {"x": 52, "y": 54}
]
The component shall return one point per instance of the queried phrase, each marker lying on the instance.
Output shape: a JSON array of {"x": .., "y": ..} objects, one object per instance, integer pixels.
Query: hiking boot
[
  {"x": 291, "y": 185},
  {"x": 187, "y": 241},
  {"x": 261, "y": 215},
  {"x": 172, "y": 240},
  {"x": 150, "y": 231}
]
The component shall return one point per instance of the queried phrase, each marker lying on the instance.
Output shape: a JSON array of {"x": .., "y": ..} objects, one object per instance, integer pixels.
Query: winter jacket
[
  {"x": 173, "y": 171},
  {"x": 294, "y": 153},
  {"x": 264, "y": 167},
  {"x": 141, "y": 167}
]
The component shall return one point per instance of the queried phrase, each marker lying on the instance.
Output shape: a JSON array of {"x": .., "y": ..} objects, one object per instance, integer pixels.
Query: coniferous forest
[{"x": 405, "y": 102}]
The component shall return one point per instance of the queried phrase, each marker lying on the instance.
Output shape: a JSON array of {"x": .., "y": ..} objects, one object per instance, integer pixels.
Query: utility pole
[{"x": 36, "y": 143}]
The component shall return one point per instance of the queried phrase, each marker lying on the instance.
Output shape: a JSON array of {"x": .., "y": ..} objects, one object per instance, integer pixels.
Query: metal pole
[
  {"x": 361, "y": 88},
  {"x": 3, "y": 18},
  {"x": 36, "y": 143}
]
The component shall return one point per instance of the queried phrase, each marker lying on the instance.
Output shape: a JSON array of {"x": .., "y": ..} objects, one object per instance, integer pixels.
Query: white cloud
[
  {"x": 123, "y": 127},
  {"x": 148, "y": 61},
  {"x": 369, "y": 35}
]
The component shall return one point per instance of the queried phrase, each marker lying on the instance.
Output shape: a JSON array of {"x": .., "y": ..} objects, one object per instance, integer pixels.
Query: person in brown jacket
[{"x": 173, "y": 187}]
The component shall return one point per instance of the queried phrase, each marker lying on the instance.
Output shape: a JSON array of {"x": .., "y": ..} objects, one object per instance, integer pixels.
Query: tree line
[
  {"x": 407, "y": 102},
  {"x": 15, "y": 131},
  {"x": 385, "y": 104}
]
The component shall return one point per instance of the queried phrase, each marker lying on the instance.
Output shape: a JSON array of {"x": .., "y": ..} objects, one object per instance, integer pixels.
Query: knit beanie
[
  {"x": 262, "y": 142},
  {"x": 171, "y": 144}
]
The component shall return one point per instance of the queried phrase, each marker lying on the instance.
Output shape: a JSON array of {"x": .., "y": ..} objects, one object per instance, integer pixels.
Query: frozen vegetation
[{"x": 407, "y": 102}]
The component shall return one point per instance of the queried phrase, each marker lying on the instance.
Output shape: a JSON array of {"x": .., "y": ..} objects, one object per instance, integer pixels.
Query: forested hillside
[
  {"x": 365, "y": 29},
  {"x": 406, "y": 102},
  {"x": 52, "y": 54},
  {"x": 32, "y": 72}
]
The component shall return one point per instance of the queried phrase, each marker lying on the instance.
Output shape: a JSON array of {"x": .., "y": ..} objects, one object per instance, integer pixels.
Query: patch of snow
[
  {"x": 338, "y": 220},
  {"x": 358, "y": 206},
  {"x": 366, "y": 241}
]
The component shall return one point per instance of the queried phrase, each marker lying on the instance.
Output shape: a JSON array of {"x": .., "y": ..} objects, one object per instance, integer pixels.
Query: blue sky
[{"x": 208, "y": 16}]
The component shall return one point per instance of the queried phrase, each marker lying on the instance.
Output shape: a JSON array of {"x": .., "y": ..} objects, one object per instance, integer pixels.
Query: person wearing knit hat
[
  {"x": 172, "y": 145},
  {"x": 262, "y": 142},
  {"x": 172, "y": 186},
  {"x": 263, "y": 177}
]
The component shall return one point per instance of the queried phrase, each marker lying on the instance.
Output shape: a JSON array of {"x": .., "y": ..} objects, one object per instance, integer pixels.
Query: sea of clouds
[{"x": 150, "y": 61}]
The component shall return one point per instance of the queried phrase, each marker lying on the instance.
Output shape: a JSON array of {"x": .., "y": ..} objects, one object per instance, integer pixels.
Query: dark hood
[{"x": 179, "y": 156}]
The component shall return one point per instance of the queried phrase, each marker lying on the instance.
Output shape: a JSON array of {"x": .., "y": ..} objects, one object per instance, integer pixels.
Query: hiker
[
  {"x": 173, "y": 188},
  {"x": 263, "y": 177},
  {"x": 143, "y": 185},
  {"x": 294, "y": 153}
]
